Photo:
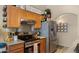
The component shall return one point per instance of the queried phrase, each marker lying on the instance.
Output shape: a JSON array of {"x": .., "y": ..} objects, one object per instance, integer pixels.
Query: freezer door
[
  {"x": 53, "y": 30},
  {"x": 52, "y": 36}
]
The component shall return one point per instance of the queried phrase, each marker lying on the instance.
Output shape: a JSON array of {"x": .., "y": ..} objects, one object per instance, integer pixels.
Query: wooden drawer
[
  {"x": 16, "y": 46},
  {"x": 21, "y": 50}
]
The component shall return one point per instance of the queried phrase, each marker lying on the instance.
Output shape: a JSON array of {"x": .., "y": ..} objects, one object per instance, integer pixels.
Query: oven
[
  {"x": 31, "y": 44},
  {"x": 32, "y": 47}
]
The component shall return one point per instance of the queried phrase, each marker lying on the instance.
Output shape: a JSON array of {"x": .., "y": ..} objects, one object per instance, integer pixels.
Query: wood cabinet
[
  {"x": 30, "y": 15},
  {"x": 43, "y": 45},
  {"x": 23, "y": 14},
  {"x": 37, "y": 25},
  {"x": 12, "y": 17},
  {"x": 16, "y": 48},
  {"x": 19, "y": 47},
  {"x": 38, "y": 21}
]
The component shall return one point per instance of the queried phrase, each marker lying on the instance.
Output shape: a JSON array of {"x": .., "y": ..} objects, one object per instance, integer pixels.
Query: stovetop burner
[{"x": 26, "y": 38}]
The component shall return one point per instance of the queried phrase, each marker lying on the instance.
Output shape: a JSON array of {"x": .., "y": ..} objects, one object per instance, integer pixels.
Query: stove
[
  {"x": 29, "y": 42},
  {"x": 26, "y": 38}
]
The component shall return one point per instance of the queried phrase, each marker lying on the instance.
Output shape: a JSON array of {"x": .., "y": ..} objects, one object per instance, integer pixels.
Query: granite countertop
[
  {"x": 41, "y": 37},
  {"x": 14, "y": 42},
  {"x": 21, "y": 41}
]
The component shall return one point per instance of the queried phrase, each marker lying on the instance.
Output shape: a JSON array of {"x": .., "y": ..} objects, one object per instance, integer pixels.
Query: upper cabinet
[
  {"x": 23, "y": 14},
  {"x": 14, "y": 16},
  {"x": 31, "y": 16},
  {"x": 38, "y": 21}
]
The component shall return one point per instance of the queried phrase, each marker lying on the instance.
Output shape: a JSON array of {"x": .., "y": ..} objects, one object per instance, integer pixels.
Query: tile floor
[{"x": 61, "y": 49}]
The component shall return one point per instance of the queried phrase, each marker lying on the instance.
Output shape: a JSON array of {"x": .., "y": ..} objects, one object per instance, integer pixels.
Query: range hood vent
[{"x": 29, "y": 22}]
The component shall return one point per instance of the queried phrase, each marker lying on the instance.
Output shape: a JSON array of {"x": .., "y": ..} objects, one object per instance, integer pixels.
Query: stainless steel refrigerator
[{"x": 49, "y": 30}]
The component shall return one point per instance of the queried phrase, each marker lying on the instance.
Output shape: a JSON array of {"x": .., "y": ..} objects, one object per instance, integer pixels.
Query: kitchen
[{"x": 36, "y": 31}]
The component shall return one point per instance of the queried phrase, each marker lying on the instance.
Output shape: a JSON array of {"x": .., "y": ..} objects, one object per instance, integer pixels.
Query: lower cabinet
[
  {"x": 43, "y": 45},
  {"x": 16, "y": 48},
  {"x": 36, "y": 47}
]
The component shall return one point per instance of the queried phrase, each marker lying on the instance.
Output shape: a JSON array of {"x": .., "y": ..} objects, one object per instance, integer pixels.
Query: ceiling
[
  {"x": 51, "y": 7},
  {"x": 57, "y": 10},
  {"x": 41, "y": 7}
]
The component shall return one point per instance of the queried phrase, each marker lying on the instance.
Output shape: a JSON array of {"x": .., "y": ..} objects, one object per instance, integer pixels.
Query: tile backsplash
[{"x": 25, "y": 28}]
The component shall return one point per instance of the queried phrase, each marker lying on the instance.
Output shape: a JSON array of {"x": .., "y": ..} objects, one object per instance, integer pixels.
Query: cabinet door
[
  {"x": 37, "y": 25},
  {"x": 24, "y": 14},
  {"x": 16, "y": 48},
  {"x": 12, "y": 17},
  {"x": 43, "y": 45},
  {"x": 41, "y": 18},
  {"x": 20, "y": 15},
  {"x": 20, "y": 50},
  {"x": 31, "y": 15},
  {"x": 38, "y": 21}
]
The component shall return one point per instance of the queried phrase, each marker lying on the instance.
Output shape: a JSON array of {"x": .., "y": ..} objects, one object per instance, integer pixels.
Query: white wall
[
  {"x": 1, "y": 17},
  {"x": 59, "y": 10},
  {"x": 67, "y": 38}
]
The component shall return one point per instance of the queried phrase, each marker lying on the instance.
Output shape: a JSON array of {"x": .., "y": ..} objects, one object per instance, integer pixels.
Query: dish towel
[
  {"x": 36, "y": 48},
  {"x": 2, "y": 49}
]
